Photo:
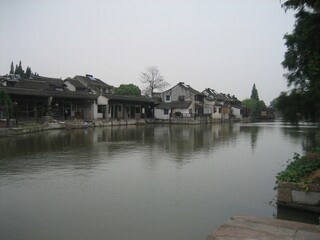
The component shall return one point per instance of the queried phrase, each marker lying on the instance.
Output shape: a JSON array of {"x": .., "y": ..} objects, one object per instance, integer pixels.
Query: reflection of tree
[
  {"x": 253, "y": 131},
  {"x": 309, "y": 135}
]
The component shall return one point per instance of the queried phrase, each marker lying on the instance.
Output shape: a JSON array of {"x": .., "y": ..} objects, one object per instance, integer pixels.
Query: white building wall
[
  {"x": 236, "y": 112},
  {"x": 185, "y": 111},
  {"x": 208, "y": 107},
  {"x": 159, "y": 114},
  {"x": 177, "y": 91},
  {"x": 218, "y": 113},
  {"x": 90, "y": 111},
  {"x": 102, "y": 100}
]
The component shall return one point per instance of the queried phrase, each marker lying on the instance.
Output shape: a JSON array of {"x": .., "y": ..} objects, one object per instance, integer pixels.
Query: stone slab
[{"x": 256, "y": 228}]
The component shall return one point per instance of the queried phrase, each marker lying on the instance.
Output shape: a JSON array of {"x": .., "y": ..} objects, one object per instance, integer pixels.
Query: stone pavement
[{"x": 256, "y": 228}]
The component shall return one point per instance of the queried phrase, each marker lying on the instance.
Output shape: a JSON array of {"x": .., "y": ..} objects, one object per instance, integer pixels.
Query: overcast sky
[{"x": 227, "y": 45}]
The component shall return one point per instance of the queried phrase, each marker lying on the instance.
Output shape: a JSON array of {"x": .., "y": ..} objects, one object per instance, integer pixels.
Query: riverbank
[{"x": 31, "y": 127}]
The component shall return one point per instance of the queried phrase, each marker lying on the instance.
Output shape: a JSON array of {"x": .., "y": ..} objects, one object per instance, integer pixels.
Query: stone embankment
[
  {"x": 298, "y": 195},
  {"x": 25, "y": 128},
  {"x": 48, "y": 125}
]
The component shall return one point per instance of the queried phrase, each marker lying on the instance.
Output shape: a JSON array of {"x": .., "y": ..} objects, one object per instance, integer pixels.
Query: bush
[{"x": 303, "y": 169}]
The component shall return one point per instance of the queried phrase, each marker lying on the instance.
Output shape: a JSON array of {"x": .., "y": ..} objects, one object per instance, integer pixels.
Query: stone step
[{"x": 257, "y": 228}]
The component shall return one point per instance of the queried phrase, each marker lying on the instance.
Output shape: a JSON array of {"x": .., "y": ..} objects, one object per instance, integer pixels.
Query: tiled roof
[
  {"x": 128, "y": 98},
  {"x": 75, "y": 83},
  {"x": 92, "y": 81},
  {"x": 26, "y": 92},
  {"x": 174, "y": 104},
  {"x": 53, "y": 82},
  {"x": 45, "y": 93},
  {"x": 192, "y": 90},
  {"x": 215, "y": 95},
  {"x": 33, "y": 84},
  {"x": 74, "y": 95},
  {"x": 187, "y": 87}
]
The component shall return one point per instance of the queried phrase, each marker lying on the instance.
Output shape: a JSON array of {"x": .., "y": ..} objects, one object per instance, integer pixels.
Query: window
[
  {"x": 101, "y": 108},
  {"x": 181, "y": 98},
  {"x": 138, "y": 110},
  {"x": 168, "y": 98},
  {"x": 165, "y": 111},
  {"x": 219, "y": 110}
]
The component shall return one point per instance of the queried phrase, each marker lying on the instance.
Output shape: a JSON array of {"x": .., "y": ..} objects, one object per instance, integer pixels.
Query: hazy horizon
[{"x": 224, "y": 45}]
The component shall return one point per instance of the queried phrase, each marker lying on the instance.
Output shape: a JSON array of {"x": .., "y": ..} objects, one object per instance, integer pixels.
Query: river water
[{"x": 141, "y": 182}]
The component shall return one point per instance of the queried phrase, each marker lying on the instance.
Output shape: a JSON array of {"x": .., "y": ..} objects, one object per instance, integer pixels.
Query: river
[{"x": 141, "y": 182}]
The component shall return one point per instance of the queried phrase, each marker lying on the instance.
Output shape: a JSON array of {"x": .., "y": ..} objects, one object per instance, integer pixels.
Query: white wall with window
[
  {"x": 160, "y": 113},
  {"x": 101, "y": 108}
]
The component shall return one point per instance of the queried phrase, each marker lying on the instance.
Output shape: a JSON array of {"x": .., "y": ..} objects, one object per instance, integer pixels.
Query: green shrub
[{"x": 302, "y": 168}]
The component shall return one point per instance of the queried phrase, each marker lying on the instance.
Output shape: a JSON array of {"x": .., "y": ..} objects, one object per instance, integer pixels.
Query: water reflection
[
  {"x": 56, "y": 147},
  {"x": 291, "y": 214},
  {"x": 307, "y": 136},
  {"x": 253, "y": 131},
  {"x": 52, "y": 149}
]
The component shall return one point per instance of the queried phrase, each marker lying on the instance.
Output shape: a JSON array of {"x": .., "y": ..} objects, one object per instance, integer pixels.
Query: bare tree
[{"x": 153, "y": 80}]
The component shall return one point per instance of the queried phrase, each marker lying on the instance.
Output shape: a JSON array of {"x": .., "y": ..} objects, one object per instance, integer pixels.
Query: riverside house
[
  {"x": 223, "y": 106},
  {"x": 39, "y": 96},
  {"x": 217, "y": 104},
  {"x": 180, "y": 101}
]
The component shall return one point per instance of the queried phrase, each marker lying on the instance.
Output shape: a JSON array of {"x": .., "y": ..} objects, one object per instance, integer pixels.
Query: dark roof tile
[{"x": 174, "y": 104}]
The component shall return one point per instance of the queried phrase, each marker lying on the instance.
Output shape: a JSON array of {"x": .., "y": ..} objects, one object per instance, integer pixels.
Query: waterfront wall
[
  {"x": 298, "y": 195},
  {"x": 48, "y": 124}
]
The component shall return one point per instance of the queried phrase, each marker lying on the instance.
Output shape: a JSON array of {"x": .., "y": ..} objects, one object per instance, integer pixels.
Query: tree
[
  {"x": 16, "y": 70},
  {"x": 28, "y": 72},
  {"x": 5, "y": 104},
  {"x": 11, "y": 68},
  {"x": 302, "y": 61},
  {"x": 153, "y": 80},
  {"x": 255, "y": 106},
  {"x": 254, "y": 93},
  {"x": 128, "y": 89},
  {"x": 20, "y": 70},
  {"x": 273, "y": 102},
  {"x": 254, "y": 103}
]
